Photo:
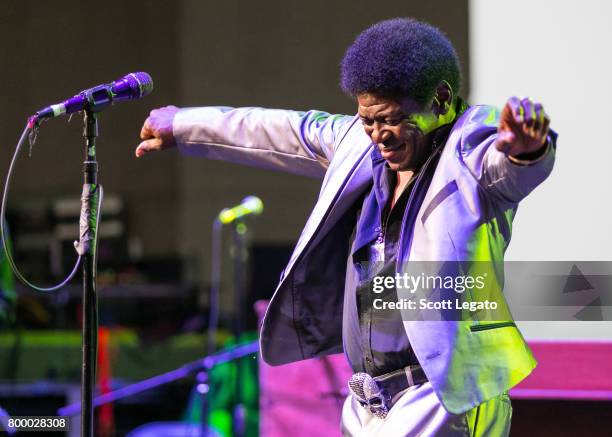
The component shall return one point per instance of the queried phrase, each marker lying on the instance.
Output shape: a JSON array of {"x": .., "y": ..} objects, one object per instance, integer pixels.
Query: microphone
[
  {"x": 132, "y": 86},
  {"x": 249, "y": 205}
]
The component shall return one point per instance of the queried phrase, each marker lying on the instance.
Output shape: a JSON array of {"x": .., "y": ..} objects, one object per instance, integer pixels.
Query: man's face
[{"x": 399, "y": 127}]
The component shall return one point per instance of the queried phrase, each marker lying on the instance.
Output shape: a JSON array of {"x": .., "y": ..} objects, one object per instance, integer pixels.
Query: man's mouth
[
  {"x": 391, "y": 147},
  {"x": 391, "y": 153}
]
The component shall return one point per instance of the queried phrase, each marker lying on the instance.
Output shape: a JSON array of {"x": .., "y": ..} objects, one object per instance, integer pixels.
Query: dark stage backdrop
[{"x": 282, "y": 54}]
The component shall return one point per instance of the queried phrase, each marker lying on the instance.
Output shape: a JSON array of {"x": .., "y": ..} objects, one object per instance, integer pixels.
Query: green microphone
[{"x": 249, "y": 205}]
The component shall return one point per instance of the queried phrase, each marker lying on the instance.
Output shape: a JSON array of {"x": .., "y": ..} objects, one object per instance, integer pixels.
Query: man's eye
[
  {"x": 394, "y": 121},
  {"x": 367, "y": 122}
]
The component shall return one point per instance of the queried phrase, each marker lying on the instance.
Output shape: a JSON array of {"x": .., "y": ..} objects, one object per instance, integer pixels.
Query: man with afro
[{"x": 415, "y": 178}]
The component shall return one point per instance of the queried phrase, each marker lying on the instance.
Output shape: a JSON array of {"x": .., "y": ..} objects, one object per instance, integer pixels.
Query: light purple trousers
[{"x": 418, "y": 412}]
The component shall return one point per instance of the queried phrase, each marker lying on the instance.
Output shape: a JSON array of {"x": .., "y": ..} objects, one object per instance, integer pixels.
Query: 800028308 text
[{"x": 39, "y": 423}]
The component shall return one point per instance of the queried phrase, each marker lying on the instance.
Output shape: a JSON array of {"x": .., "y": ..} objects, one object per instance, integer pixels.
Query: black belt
[{"x": 377, "y": 393}]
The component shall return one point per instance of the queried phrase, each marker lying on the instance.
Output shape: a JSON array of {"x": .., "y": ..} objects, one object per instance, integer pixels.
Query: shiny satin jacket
[{"x": 466, "y": 215}]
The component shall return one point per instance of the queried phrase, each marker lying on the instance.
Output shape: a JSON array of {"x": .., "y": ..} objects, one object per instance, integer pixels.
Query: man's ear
[{"x": 443, "y": 99}]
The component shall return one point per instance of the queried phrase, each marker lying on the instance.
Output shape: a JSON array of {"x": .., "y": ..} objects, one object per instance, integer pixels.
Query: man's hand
[
  {"x": 157, "y": 131},
  {"x": 523, "y": 128}
]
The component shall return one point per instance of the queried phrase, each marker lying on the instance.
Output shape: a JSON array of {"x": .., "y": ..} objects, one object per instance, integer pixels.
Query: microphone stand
[
  {"x": 239, "y": 258},
  {"x": 87, "y": 248},
  {"x": 203, "y": 364},
  {"x": 91, "y": 101},
  {"x": 203, "y": 386}
]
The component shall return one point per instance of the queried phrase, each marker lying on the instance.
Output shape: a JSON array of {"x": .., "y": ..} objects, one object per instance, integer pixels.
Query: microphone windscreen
[
  {"x": 140, "y": 83},
  {"x": 253, "y": 204}
]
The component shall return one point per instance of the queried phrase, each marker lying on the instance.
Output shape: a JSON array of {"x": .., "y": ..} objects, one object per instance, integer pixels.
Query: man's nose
[{"x": 379, "y": 134}]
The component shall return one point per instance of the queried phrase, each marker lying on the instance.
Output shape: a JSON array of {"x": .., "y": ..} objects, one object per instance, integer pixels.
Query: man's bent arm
[
  {"x": 513, "y": 181},
  {"x": 296, "y": 142},
  {"x": 484, "y": 150}
]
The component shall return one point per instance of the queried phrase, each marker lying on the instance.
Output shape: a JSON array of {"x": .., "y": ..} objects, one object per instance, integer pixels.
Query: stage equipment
[
  {"x": 90, "y": 102},
  {"x": 250, "y": 205},
  {"x": 130, "y": 87},
  {"x": 199, "y": 367}
]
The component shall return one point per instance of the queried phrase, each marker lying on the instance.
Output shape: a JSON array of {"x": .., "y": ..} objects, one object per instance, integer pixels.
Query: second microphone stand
[{"x": 239, "y": 257}]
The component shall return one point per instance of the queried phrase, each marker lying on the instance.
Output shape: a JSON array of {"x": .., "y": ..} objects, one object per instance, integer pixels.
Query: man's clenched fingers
[
  {"x": 151, "y": 145},
  {"x": 157, "y": 131},
  {"x": 516, "y": 108},
  {"x": 528, "y": 111},
  {"x": 147, "y": 130}
]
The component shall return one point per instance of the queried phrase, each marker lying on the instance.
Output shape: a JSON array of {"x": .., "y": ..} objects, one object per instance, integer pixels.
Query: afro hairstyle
[{"x": 400, "y": 57}]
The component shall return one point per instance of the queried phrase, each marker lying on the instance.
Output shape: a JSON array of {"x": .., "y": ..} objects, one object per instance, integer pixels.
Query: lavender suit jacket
[{"x": 466, "y": 214}]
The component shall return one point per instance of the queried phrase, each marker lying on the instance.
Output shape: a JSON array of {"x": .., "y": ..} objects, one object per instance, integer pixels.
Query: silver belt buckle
[{"x": 369, "y": 394}]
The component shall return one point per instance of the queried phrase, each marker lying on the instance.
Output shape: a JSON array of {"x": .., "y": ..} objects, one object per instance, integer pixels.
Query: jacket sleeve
[
  {"x": 296, "y": 142},
  {"x": 496, "y": 173}
]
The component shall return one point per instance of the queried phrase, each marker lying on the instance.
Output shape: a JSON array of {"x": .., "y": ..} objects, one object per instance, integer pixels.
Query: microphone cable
[{"x": 30, "y": 133}]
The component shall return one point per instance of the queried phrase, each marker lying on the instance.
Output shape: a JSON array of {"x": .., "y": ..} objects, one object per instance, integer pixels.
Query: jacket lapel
[{"x": 342, "y": 186}]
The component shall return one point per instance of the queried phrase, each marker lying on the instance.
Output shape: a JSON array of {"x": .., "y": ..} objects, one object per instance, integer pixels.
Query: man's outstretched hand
[
  {"x": 523, "y": 128},
  {"x": 157, "y": 131}
]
